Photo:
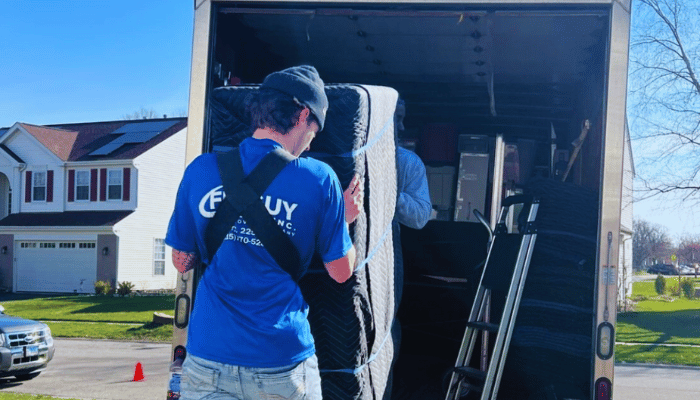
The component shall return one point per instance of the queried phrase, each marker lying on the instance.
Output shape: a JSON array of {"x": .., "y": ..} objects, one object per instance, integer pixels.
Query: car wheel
[{"x": 26, "y": 377}]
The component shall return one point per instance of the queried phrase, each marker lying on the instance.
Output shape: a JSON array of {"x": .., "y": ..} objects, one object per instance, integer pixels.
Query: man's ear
[{"x": 303, "y": 115}]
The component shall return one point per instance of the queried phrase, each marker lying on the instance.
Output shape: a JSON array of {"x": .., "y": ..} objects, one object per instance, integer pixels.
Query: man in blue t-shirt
[{"x": 249, "y": 336}]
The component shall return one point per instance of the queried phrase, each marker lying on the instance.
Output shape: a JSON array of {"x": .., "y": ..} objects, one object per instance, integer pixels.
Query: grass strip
[
  {"x": 114, "y": 331},
  {"x": 657, "y": 354},
  {"x": 137, "y": 309},
  {"x": 675, "y": 327},
  {"x": 23, "y": 396}
]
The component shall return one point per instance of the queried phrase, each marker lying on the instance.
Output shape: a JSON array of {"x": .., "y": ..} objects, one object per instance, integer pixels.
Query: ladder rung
[
  {"x": 471, "y": 373},
  {"x": 483, "y": 326}
]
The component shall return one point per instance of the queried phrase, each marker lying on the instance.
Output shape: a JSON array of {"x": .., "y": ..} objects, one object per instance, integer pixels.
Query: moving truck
[{"x": 499, "y": 94}]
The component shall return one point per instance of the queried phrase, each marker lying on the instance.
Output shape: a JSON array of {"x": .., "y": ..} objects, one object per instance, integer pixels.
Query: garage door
[{"x": 56, "y": 266}]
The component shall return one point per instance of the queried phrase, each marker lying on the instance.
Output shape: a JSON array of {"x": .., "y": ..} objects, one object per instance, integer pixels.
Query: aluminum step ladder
[{"x": 509, "y": 255}]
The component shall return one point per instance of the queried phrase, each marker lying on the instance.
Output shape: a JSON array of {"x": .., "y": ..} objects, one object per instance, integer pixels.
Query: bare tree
[
  {"x": 664, "y": 97},
  {"x": 689, "y": 250},
  {"x": 142, "y": 113},
  {"x": 650, "y": 244}
]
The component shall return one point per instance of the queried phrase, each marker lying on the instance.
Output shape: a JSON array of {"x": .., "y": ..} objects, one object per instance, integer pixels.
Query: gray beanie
[{"x": 305, "y": 85}]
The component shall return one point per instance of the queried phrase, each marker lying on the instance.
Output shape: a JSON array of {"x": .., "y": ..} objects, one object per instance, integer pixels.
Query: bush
[
  {"x": 660, "y": 284},
  {"x": 103, "y": 288},
  {"x": 688, "y": 288},
  {"x": 125, "y": 288}
]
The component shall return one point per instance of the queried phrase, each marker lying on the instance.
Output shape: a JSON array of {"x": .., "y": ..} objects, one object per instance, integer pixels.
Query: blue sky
[
  {"x": 97, "y": 60},
  {"x": 91, "y": 60}
]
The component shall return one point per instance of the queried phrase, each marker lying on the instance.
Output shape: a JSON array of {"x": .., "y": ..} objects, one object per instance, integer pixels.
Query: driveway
[{"x": 102, "y": 370}]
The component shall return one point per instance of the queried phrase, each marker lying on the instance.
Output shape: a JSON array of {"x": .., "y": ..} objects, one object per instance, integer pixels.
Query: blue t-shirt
[{"x": 248, "y": 311}]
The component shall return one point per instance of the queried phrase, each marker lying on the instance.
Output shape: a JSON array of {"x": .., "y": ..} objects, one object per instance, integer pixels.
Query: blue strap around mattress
[
  {"x": 361, "y": 367},
  {"x": 374, "y": 250},
  {"x": 371, "y": 254}
]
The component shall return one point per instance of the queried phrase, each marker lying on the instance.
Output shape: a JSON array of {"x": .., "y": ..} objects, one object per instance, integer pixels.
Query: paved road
[
  {"x": 103, "y": 370},
  {"x": 642, "y": 382}
]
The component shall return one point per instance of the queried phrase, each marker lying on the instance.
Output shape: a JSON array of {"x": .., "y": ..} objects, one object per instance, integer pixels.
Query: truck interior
[{"x": 495, "y": 96}]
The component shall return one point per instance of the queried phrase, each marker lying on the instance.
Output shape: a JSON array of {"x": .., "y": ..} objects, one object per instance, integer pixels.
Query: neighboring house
[
  {"x": 86, "y": 202},
  {"x": 625, "y": 271}
]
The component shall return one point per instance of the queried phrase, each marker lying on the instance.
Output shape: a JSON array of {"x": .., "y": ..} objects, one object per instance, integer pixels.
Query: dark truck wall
[{"x": 484, "y": 71}]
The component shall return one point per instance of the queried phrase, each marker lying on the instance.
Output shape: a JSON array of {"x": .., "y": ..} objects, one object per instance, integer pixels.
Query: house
[
  {"x": 625, "y": 271},
  {"x": 88, "y": 201}
]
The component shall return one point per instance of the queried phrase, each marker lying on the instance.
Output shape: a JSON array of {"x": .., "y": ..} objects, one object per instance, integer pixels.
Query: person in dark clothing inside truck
[
  {"x": 249, "y": 336},
  {"x": 413, "y": 209}
]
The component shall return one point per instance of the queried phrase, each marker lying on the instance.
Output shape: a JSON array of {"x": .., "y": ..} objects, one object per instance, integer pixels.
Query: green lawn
[
  {"x": 137, "y": 309},
  {"x": 101, "y": 317},
  {"x": 654, "y": 354},
  {"x": 660, "y": 320},
  {"x": 22, "y": 396}
]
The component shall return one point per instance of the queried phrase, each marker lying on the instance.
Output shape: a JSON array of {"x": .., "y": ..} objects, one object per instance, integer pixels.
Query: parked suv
[
  {"x": 26, "y": 347},
  {"x": 664, "y": 269}
]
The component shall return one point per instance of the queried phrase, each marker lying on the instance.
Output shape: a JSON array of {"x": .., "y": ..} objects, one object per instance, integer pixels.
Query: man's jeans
[{"x": 204, "y": 379}]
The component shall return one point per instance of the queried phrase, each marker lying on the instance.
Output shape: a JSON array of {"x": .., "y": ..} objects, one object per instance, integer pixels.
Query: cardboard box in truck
[{"x": 527, "y": 76}]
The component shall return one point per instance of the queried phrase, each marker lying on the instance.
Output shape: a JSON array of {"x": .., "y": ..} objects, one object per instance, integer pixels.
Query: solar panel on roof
[
  {"x": 136, "y": 137},
  {"x": 145, "y": 126},
  {"x": 106, "y": 149},
  {"x": 135, "y": 132}
]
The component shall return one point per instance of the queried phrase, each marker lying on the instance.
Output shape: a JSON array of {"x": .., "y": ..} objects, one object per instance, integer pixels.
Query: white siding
[
  {"x": 58, "y": 185},
  {"x": 159, "y": 173},
  {"x": 107, "y": 205},
  {"x": 6, "y": 161},
  {"x": 30, "y": 150},
  {"x": 626, "y": 217},
  {"x": 625, "y": 271}
]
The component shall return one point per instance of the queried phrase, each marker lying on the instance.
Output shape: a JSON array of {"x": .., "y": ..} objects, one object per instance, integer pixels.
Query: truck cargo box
[{"x": 541, "y": 83}]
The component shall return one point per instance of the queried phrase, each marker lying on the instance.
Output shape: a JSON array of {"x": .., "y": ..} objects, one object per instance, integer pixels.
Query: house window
[
  {"x": 158, "y": 257},
  {"x": 114, "y": 184},
  {"x": 39, "y": 186},
  {"x": 47, "y": 245},
  {"x": 28, "y": 245},
  {"x": 86, "y": 246},
  {"x": 66, "y": 245},
  {"x": 82, "y": 185},
  {"x": 9, "y": 201}
]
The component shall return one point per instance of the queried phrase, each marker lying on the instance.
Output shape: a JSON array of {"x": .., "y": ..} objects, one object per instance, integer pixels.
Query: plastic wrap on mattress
[{"x": 350, "y": 322}]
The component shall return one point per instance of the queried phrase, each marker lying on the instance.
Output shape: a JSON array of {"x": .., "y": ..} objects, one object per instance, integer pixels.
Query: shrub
[
  {"x": 688, "y": 288},
  {"x": 660, "y": 284},
  {"x": 125, "y": 288},
  {"x": 103, "y": 288}
]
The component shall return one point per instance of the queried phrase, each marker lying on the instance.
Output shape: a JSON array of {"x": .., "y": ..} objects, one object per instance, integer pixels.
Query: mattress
[
  {"x": 350, "y": 322},
  {"x": 551, "y": 343}
]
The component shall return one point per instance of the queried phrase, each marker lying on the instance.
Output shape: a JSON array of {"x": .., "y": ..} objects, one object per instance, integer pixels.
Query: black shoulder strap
[{"x": 243, "y": 198}]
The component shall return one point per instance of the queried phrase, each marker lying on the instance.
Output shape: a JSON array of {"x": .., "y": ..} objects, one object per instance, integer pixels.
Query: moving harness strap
[{"x": 243, "y": 198}]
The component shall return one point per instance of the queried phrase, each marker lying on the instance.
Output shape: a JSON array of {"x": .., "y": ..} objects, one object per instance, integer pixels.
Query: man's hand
[
  {"x": 353, "y": 196},
  {"x": 183, "y": 261}
]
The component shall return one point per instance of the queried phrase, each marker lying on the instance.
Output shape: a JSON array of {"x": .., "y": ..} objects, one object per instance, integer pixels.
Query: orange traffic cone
[{"x": 138, "y": 373}]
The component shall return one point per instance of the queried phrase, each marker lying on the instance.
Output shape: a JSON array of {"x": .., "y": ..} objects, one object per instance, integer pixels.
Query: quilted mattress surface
[{"x": 350, "y": 322}]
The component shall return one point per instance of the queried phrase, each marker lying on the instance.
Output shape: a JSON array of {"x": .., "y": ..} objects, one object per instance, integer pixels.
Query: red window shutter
[
  {"x": 93, "y": 185},
  {"x": 126, "y": 182},
  {"x": 49, "y": 186},
  {"x": 103, "y": 184},
  {"x": 28, "y": 187},
  {"x": 71, "y": 185}
]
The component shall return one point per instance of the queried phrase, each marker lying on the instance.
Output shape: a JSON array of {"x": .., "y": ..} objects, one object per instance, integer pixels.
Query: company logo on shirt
[{"x": 210, "y": 201}]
